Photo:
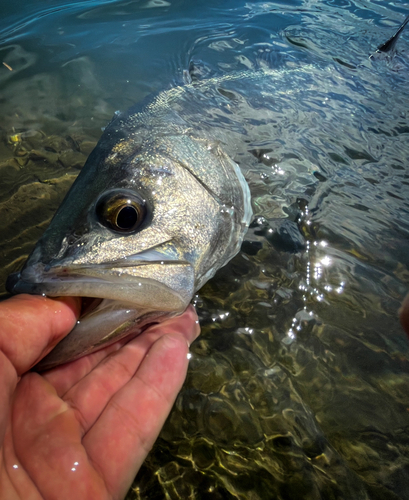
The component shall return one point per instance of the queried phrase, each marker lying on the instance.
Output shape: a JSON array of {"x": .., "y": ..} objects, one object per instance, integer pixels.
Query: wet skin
[
  {"x": 84, "y": 427},
  {"x": 87, "y": 426},
  {"x": 404, "y": 314}
]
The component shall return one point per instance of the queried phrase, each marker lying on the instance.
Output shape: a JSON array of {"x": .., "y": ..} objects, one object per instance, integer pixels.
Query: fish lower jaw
[
  {"x": 143, "y": 293},
  {"x": 150, "y": 286},
  {"x": 99, "y": 326},
  {"x": 113, "y": 310}
]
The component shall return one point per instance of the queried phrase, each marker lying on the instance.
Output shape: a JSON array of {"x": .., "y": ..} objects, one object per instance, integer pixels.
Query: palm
[{"x": 86, "y": 427}]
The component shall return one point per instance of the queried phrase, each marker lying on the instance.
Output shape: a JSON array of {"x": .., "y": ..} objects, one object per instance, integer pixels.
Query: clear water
[{"x": 299, "y": 384}]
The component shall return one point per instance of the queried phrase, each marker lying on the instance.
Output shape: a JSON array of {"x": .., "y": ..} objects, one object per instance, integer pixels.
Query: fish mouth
[
  {"x": 134, "y": 282},
  {"x": 122, "y": 298}
]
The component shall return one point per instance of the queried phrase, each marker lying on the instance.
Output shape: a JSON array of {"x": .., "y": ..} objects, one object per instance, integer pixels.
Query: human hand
[
  {"x": 82, "y": 430},
  {"x": 404, "y": 314}
]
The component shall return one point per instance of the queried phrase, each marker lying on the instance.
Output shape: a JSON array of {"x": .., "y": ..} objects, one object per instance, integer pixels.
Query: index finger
[
  {"x": 31, "y": 325},
  {"x": 92, "y": 368},
  {"x": 131, "y": 420}
]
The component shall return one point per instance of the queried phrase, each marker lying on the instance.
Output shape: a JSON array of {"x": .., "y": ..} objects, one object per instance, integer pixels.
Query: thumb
[{"x": 31, "y": 325}]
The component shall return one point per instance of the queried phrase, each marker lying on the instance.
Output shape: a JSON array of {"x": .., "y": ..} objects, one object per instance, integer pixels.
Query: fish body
[
  {"x": 160, "y": 204},
  {"x": 156, "y": 210}
]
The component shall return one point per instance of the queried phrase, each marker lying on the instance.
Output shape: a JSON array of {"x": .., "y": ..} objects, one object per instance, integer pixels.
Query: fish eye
[{"x": 122, "y": 211}]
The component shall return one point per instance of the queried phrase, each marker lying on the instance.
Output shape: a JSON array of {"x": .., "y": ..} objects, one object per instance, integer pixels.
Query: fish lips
[
  {"x": 167, "y": 284},
  {"x": 135, "y": 292}
]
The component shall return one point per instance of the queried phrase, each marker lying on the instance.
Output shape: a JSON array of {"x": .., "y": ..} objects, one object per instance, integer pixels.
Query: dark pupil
[{"x": 127, "y": 218}]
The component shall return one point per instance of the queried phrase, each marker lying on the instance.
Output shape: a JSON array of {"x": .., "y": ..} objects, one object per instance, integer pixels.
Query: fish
[
  {"x": 161, "y": 203},
  {"x": 156, "y": 210}
]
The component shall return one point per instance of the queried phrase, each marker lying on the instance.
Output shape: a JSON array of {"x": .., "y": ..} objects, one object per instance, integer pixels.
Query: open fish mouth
[
  {"x": 121, "y": 299},
  {"x": 173, "y": 281}
]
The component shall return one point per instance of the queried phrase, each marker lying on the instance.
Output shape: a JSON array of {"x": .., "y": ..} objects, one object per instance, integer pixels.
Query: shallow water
[{"x": 299, "y": 384}]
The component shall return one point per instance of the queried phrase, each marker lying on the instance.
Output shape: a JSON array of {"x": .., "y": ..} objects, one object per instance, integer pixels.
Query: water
[{"x": 299, "y": 384}]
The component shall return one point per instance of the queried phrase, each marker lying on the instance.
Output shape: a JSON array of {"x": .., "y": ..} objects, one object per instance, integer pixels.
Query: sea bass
[
  {"x": 157, "y": 209},
  {"x": 160, "y": 205}
]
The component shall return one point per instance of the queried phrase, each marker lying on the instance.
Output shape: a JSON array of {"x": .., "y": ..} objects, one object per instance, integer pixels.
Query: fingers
[
  {"x": 30, "y": 326},
  {"x": 47, "y": 442},
  {"x": 67, "y": 376},
  {"x": 92, "y": 393},
  {"x": 50, "y": 438},
  {"x": 125, "y": 432},
  {"x": 63, "y": 377},
  {"x": 404, "y": 314}
]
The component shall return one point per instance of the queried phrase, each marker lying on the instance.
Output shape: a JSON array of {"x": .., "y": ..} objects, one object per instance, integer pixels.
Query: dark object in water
[
  {"x": 390, "y": 44},
  {"x": 284, "y": 235}
]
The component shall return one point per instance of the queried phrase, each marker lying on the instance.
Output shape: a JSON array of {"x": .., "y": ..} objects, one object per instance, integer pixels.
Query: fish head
[{"x": 141, "y": 227}]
